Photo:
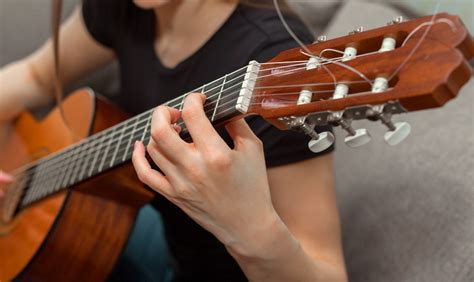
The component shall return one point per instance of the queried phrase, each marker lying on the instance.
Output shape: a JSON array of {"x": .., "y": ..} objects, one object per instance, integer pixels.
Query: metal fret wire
[
  {"x": 291, "y": 64},
  {"x": 70, "y": 167},
  {"x": 52, "y": 162},
  {"x": 88, "y": 140}
]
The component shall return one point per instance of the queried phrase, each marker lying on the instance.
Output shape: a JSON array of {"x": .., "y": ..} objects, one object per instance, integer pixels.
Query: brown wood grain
[
  {"x": 73, "y": 239},
  {"x": 430, "y": 78}
]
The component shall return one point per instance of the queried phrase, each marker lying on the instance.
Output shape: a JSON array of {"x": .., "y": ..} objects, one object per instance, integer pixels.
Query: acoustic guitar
[{"x": 70, "y": 210}]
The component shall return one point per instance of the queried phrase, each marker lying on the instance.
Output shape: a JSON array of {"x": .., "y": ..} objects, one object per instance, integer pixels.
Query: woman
[{"x": 263, "y": 212}]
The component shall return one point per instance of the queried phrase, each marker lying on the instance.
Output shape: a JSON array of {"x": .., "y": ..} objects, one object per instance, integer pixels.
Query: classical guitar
[{"x": 69, "y": 212}]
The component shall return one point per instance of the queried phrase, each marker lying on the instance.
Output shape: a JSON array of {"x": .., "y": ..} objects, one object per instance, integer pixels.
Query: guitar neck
[{"x": 227, "y": 97}]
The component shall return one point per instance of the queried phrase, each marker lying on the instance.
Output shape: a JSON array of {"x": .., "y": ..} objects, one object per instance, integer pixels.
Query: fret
[
  {"x": 107, "y": 149},
  {"x": 212, "y": 91},
  {"x": 137, "y": 135},
  {"x": 71, "y": 164},
  {"x": 118, "y": 144},
  {"x": 44, "y": 177},
  {"x": 13, "y": 197},
  {"x": 34, "y": 180},
  {"x": 228, "y": 97},
  {"x": 218, "y": 99},
  {"x": 127, "y": 148},
  {"x": 146, "y": 126},
  {"x": 96, "y": 155},
  {"x": 85, "y": 164},
  {"x": 80, "y": 159},
  {"x": 181, "y": 105},
  {"x": 112, "y": 147},
  {"x": 34, "y": 183},
  {"x": 21, "y": 192},
  {"x": 42, "y": 170},
  {"x": 56, "y": 179}
]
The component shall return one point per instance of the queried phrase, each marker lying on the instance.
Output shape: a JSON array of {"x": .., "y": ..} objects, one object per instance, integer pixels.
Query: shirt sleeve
[
  {"x": 282, "y": 147},
  {"x": 100, "y": 19}
]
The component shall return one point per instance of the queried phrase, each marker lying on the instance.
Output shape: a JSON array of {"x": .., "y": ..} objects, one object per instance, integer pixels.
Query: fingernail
[
  {"x": 5, "y": 176},
  {"x": 136, "y": 143}
]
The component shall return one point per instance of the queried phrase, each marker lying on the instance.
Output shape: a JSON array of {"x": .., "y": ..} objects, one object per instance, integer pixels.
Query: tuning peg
[
  {"x": 319, "y": 142},
  {"x": 321, "y": 38},
  {"x": 355, "y": 137},
  {"x": 400, "y": 131},
  {"x": 361, "y": 137},
  {"x": 358, "y": 29},
  {"x": 396, "y": 132},
  {"x": 396, "y": 20},
  {"x": 322, "y": 142}
]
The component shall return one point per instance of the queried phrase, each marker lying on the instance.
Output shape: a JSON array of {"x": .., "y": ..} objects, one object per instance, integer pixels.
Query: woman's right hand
[{"x": 5, "y": 178}]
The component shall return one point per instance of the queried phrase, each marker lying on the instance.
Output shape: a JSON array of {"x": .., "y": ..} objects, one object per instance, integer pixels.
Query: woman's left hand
[{"x": 224, "y": 190}]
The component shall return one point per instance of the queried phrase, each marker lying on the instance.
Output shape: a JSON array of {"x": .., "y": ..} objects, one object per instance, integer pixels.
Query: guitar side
[{"x": 77, "y": 234}]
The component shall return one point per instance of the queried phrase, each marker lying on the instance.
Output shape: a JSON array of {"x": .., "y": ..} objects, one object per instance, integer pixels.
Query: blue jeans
[{"x": 145, "y": 257}]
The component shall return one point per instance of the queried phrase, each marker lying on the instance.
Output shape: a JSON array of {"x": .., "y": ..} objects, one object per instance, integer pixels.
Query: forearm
[
  {"x": 20, "y": 89},
  {"x": 278, "y": 256}
]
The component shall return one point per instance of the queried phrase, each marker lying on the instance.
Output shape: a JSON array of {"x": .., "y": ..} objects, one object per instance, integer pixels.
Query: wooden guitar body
[{"x": 77, "y": 234}]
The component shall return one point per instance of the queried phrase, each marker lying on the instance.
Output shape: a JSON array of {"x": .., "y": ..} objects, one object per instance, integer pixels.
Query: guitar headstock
[{"x": 402, "y": 67}]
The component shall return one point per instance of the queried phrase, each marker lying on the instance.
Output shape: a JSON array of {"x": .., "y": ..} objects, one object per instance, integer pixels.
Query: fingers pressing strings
[{"x": 287, "y": 68}]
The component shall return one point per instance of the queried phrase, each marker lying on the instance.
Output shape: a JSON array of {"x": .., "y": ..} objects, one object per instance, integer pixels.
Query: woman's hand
[
  {"x": 4, "y": 179},
  {"x": 224, "y": 190}
]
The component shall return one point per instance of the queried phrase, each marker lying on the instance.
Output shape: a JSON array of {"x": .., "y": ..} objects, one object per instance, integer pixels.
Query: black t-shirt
[{"x": 248, "y": 34}]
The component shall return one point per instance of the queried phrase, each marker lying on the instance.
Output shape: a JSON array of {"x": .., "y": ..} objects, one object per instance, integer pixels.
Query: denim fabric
[{"x": 145, "y": 257}]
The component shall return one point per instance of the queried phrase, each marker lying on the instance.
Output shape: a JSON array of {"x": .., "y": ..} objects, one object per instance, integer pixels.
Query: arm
[
  {"x": 28, "y": 83},
  {"x": 295, "y": 237},
  {"x": 303, "y": 195}
]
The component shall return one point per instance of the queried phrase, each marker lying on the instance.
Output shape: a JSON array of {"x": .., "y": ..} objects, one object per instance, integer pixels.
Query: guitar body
[{"x": 77, "y": 234}]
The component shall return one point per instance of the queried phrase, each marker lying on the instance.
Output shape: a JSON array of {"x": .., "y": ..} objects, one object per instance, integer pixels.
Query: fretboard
[{"x": 226, "y": 97}]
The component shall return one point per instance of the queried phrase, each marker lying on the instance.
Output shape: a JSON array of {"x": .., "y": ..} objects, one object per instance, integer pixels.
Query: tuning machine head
[
  {"x": 324, "y": 141},
  {"x": 321, "y": 38},
  {"x": 319, "y": 142},
  {"x": 355, "y": 137},
  {"x": 398, "y": 134},
  {"x": 396, "y": 20},
  {"x": 356, "y": 30},
  {"x": 361, "y": 137}
]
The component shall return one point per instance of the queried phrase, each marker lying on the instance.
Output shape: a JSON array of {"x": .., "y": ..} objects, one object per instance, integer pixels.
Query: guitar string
[
  {"x": 400, "y": 67},
  {"x": 329, "y": 61},
  {"x": 91, "y": 150},
  {"x": 180, "y": 97},
  {"x": 177, "y": 98},
  {"x": 19, "y": 170},
  {"x": 414, "y": 49},
  {"x": 76, "y": 162}
]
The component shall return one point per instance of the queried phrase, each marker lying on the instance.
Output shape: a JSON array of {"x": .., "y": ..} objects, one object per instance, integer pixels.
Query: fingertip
[
  {"x": 177, "y": 128},
  {"x": 203, "y": 97},
  {"x": 197, "y": 96},
  {"x": 175, "y": 114},
  {"x": 5, "y": 178}
]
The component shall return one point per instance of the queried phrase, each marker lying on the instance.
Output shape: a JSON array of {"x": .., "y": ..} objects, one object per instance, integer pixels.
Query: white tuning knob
[
  {"x": 324, "y": 141},
  {"x": 400, "y": 132},
  {"x": 361, "y": 137}
]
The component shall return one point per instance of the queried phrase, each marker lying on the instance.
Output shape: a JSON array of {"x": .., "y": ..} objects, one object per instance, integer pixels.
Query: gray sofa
[{"x": 407, "y": 211}]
